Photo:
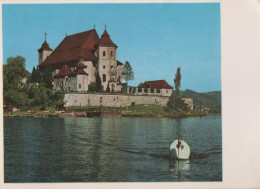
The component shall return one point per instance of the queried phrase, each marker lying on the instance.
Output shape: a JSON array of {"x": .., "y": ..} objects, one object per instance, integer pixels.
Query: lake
[{"x": 110, "y": 149}]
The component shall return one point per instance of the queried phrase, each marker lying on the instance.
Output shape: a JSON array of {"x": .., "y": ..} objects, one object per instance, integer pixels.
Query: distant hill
[{"x": 208, "y": 99}]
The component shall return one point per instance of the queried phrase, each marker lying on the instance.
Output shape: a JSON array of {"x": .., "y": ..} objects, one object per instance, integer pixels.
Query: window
[
  {"x": 104, "y": 66},
  {"x": 139, "y": 90},
  {"x": 146, "y": 90},
  {"x": 111, "y": 53},
  {"x": 158, "y": 90},
  {"x": 152, "y": 90},
  {"x": 79, "y": 86},
  {"x": 104, "y": 53},
  {"x": 166, "y": 91},
  {"x": 104, "y": 77}
]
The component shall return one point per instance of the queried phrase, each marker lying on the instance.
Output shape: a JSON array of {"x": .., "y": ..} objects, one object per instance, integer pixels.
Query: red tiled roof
[
  {"x": 74, "y": 47},
  {"x": 105, "y": 40},
  {"x": 119, "y": 63},
  {"x": 45, "y": 46},
  {"x": 80, "y": 72},
  {"x": 157, "y": 84},
  {"x": 80, "y": 66},
  {"x": 65, "y": 70}
]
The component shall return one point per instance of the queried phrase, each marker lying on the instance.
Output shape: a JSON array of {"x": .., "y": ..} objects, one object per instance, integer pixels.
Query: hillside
[{"x": 208, "y": 99}]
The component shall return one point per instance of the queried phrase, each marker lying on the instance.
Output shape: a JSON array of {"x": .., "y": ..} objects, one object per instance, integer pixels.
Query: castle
[
  {"x": 78, "y": 59},
  {"x": 81, "y": 57}
]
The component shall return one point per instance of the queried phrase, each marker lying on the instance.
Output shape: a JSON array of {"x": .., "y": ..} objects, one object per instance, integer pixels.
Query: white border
[{"x": 240, "y": 65}]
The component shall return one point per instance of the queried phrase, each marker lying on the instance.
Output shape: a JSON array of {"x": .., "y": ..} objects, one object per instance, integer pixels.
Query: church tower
[
  {"x": 44, "y": 51},
  {"x": 107, "y": 61}
]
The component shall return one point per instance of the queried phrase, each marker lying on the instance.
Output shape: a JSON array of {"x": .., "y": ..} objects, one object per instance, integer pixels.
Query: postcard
[{"x": 114, "y": 94}]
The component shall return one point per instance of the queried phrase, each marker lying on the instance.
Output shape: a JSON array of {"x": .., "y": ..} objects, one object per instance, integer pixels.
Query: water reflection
[
  {"x": 178, "y": 128},
  {"x": 181, "y": 169},
  {"x": 107, "y": 149}
]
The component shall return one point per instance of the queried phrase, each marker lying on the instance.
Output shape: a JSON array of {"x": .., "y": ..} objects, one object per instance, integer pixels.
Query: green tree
[
  {"x": 37, "y": 75},
  {"x": 92, "y": 87},
  {"x": 33, "y": 76},
  {"x": 47, "y": 78},
  {"x": 175, "y": 101},
  {"x": 177, "y": 80},
  {"x": 108, "y": 89},
  {"x": 14, "y": 94},
  {"x": 128, "y": 72},
  {"x": 58, "y": 100},
  {"x": 99, "y": 86},
  {"x": 13, "y": 71}
]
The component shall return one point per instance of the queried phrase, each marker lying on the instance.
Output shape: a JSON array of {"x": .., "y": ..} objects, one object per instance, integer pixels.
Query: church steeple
[
  {"x": 44, "y": 51},
  {"x": 105, "y": 39}
]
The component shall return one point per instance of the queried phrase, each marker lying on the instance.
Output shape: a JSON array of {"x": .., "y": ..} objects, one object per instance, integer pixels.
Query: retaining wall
[{"x": 113, "y": 100}]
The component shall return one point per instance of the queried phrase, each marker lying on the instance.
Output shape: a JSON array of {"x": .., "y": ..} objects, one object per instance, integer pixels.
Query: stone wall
[{"x": 114, "y": 100}]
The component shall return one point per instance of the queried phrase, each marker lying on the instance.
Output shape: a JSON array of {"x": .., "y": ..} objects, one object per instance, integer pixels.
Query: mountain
[{"x": 208, "y": 99}]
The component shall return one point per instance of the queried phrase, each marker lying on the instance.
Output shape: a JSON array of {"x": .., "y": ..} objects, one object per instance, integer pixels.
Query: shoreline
[
  {"x": 173, "y": 116},
  {"x": 131, "y": 111}
]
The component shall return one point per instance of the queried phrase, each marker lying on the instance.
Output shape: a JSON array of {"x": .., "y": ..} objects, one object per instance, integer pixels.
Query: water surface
[{"x": 110, "y": 149}]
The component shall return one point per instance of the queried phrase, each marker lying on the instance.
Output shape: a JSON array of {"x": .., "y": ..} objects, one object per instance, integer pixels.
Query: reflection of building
[
  {"x": 79, "y": 57},
  {"x": 157, "y": 87}
]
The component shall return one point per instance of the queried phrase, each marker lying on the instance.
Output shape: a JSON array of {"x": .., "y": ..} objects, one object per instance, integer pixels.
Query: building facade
[
  {"x": 155, "y": 88},
  {"x": 78, "y": 59}
]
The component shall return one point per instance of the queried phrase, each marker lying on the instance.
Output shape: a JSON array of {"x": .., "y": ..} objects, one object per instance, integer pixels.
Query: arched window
[
  {"x": 104, "y": 77},
  {"x": 104, "y": 53}
]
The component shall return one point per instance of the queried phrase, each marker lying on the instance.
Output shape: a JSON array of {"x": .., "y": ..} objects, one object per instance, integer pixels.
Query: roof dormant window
[{"x": 104, "y": 53}]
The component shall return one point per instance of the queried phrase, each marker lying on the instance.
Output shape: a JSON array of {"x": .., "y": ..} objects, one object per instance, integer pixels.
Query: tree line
[
  {"x": 37, "y": 90},
  {"x": 28, "y": 92}
]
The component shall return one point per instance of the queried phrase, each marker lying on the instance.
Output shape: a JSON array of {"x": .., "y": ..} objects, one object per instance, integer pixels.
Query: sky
[{"x": 155, "y": 38}]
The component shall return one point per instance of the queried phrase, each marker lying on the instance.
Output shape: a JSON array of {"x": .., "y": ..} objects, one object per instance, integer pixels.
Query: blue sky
[{"x": 155, "y": 38}]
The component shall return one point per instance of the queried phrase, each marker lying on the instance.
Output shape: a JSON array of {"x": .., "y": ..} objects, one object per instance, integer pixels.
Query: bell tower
[
  {"x": 107, "y": 61},
  {"x": 44, "y": 51}
]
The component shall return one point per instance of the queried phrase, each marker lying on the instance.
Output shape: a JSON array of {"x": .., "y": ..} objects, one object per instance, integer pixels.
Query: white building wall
[
  {"x": 107, "y": 65},
  {"x": 148, "y": 91},
  {"x": 43, "y": 55},
  {"x": 90, "y": 70},
  {"x": 166, "y": 92},
  {"x": 82, "y": 83},
  {"x": 119, "y": 73}
]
